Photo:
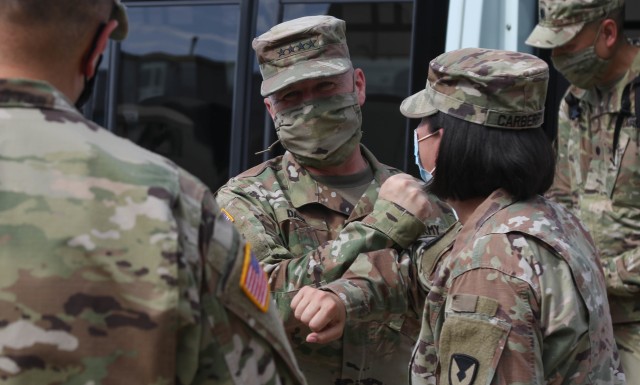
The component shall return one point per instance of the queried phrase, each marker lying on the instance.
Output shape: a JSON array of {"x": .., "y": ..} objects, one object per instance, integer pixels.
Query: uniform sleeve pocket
[{"x": 471, "y": 341}]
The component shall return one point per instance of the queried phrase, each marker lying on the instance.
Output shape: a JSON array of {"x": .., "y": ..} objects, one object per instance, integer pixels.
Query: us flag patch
[{"x": 254, "y": 281}]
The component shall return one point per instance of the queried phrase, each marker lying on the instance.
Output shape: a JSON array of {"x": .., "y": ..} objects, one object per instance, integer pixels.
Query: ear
[
  {"x": 272, "y": 112},
  {"x": 361, "y": 85},
  {"x": 609, "y": 33},
  {"x": 89, "y": 69}
]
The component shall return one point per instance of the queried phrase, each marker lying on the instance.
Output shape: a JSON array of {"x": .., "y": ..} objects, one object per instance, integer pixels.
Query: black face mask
[{"x": 87, "y": 90}]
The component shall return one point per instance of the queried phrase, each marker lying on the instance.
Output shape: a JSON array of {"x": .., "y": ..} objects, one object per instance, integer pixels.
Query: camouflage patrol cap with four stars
[
  {"x": 494, "y": 88},
  {"x": 561, "y": 20},
  {"x": 119, "y": 13},
  {"x": 304, "y": 48}
]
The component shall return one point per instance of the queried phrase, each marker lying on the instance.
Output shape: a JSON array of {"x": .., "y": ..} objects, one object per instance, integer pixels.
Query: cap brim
[
  {"x": 119, "y": 13},
  {"x": 417, "y": 106},
  {"x": 552, "y": 37},
  {"x": 309, "y": 69}
]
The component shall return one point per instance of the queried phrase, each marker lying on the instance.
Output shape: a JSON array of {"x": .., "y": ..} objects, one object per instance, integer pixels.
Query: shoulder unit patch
[
  {"x": 254, "y": 281},
  {"x": 463, "y": 369}
]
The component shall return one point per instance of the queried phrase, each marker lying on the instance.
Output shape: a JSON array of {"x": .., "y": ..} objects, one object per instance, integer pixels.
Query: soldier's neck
[
  {"x": 465, "y": 208},
  {"x": 60, "y": 78},
  {"x": 353, "y": 165}
]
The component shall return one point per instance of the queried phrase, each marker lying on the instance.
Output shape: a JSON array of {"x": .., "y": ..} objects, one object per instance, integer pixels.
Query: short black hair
[{"x": 474, "y": 160}]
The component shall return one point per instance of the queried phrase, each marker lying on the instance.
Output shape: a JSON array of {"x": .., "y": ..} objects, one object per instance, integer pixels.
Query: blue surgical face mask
[{"x": 424, "y": 174}]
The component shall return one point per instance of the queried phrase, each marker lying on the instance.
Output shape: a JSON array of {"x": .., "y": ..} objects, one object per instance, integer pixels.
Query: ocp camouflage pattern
[
  {"x": 602, "y": 187},
  {"x": 115, "y": 267},
  {"x": 500, "y": 89},
  {"x": 559, "y": 21},
  {"x": 520, "y": 299},
  {"x": 306, "y": 233},
  {"x": 304, "y": 48}
]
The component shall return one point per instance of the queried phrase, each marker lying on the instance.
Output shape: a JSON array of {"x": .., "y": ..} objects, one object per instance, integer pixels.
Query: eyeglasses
[{"x": 415, "y": 133}]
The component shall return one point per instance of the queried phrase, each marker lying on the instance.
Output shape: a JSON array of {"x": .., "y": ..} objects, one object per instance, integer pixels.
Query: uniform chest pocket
[
  {"x": 626, "y": 185},
  {"x": 301, "y": 235}
]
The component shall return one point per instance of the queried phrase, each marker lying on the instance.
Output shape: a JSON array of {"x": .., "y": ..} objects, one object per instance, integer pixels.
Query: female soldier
[{"x": 520, "y": 298}]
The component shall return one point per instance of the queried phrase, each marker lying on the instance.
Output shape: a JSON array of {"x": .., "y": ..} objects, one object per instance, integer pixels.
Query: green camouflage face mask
[
  {"x": 581, "y": 68},
  {"x": 321, "y": 132}
]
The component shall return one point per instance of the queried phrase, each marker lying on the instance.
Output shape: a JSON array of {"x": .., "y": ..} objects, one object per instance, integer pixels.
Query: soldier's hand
[
  {"x": 409, "y": 193},
  {"x": 322, "y": 311}
]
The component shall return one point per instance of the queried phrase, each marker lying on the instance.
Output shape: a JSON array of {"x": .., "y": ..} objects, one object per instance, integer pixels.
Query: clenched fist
[
  {"x": 409, "y": 193},
  {"x": 322, "y": 311}
]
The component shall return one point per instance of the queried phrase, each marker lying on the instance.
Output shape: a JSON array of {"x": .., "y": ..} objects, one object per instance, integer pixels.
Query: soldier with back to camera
[{"x": 115, "y": 265}]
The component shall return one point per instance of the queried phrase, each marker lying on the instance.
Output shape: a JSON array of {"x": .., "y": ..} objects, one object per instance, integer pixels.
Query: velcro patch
[
  {"x": 465, "y": 303},
  {"x": 254, "y": 281},
  {"x": 463, "y": 369},
  {"x": 227, "y": 215},
  {"x": 469, "y": 303}
]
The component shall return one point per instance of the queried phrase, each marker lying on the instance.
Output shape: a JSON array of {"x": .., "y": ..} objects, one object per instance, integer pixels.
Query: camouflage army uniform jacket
[
  {"x": 307, "y": 234},
  {"x": 602, "y": 187},
  {"x": 520, "y": 299},
  {"x": 114, "y": 267}
]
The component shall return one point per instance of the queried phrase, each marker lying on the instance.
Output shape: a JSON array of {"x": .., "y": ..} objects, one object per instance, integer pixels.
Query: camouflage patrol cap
[
  {"x": 304, "y": 48},
  {"x": 494, "y": 88},
  {"x": 119, "y": 13},
  {"x": 561, "y": 20}
]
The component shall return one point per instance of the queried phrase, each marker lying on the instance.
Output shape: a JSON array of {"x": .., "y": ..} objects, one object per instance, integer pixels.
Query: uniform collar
[
  {"x": 495, "y": 202},
  {"x": 26, "y": 93},
  {"x": 304, "y": 190}
]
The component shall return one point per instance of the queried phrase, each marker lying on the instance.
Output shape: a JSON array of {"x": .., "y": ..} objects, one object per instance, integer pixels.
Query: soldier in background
[
  {"x": 317, "y": 219},
  {"x": 520, "y": 298},
  {"x": 115, "y": 267},
  {"x": 598, "y": 146}
]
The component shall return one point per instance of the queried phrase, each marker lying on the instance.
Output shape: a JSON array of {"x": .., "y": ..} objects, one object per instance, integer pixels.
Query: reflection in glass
[{"x": 175, "y": 85}]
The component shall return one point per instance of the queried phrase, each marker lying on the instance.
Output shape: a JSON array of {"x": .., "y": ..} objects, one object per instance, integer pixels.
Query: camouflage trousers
[{"x": 628, "y": 340}]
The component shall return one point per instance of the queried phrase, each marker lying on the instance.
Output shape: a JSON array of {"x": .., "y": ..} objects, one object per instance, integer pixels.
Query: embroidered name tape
[{"x": 502, "y": 120}]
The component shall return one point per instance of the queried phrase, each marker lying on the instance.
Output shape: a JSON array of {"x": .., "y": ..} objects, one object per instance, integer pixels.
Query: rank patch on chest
[
  {"x": 227, "y": 216},
  {"x": 463, "y": 369},
  {"x": 254, "y": 281}
]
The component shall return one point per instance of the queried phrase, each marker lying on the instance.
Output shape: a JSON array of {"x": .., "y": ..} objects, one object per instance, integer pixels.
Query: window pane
[
  {"x": 175, "y": 85},
  {"x": 632, "y": 19}
]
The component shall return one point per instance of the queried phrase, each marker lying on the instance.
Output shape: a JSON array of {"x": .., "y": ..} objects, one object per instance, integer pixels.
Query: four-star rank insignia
[
  {"x": 463, "y": 369},
  {"x": 254, "y": 281},
  {"x": 297, "y": 47}
]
